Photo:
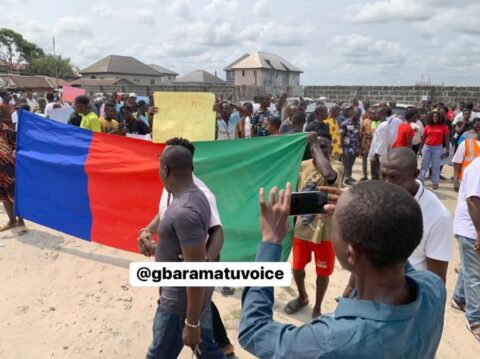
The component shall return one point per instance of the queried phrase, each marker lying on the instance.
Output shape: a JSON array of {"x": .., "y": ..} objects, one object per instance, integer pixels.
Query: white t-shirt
[
  {"x": 49, "y": 108},
  {"x": 460, "y": 153},
  {"x": 214, "y": 216},
  {"x": 417, "y": 128},
  {"x": 459, "y": 117},
  {"x": 32, "y": 103},
  {"x": 437, "y": 240},
  {"x": 470, "y": 187}
]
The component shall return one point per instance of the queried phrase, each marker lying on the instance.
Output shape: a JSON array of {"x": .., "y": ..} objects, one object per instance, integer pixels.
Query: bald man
[
  {"x": 435, "y": 250},
  {"x": 399, "y": 167},
  {"x": 183, "y": 315}
]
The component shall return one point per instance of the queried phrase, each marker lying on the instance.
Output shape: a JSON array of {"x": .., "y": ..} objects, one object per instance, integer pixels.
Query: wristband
[{"x": 193, "y": 326}]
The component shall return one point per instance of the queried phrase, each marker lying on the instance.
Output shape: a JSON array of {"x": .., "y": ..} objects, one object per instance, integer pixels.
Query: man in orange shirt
[{"x": 405, "y": 130}]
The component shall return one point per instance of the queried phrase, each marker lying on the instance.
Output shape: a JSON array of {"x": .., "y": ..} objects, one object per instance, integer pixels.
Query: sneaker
[
  {"x": 443, "y": 178},
  {"x": 363, "y": 179},
  {"x": 349, "y": 182},
  {"x": 435, "y": 186}
]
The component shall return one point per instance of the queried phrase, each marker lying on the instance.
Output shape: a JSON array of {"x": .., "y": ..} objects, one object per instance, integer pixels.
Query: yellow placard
[{"x": 184, "y": 114}]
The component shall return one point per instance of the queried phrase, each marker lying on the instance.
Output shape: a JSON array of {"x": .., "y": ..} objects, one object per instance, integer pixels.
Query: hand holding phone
[{"x": 303, "y": 203}]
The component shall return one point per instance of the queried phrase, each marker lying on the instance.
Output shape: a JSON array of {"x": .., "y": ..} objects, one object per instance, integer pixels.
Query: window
[
  {"x": 243, "y": 73},
  {"x": 152, "y": 82}
]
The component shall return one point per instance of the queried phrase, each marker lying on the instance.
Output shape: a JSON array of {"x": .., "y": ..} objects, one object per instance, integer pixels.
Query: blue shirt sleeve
[{"x": 260, "y": 335}]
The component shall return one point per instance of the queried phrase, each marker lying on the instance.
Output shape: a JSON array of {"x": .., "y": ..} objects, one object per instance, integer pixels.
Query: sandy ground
[{"x": 63, "y": 297}]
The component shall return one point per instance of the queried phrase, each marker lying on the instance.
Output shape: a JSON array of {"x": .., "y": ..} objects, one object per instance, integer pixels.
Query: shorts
[
  {"x": 7, "y": 191},
  {"x": 324, "y": 256}
]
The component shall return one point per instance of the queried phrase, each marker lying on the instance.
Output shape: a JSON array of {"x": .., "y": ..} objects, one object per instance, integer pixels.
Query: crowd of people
[{"x": 392, "y": 234}]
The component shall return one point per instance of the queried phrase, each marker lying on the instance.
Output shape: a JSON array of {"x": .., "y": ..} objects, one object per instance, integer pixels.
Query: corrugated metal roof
[
  {"x": 19, "y": 81},
  {"x": 162, "y": 70},
  {"x": 262, "y": 60},
  {"x": 100, "y": 82},
  {"x": 117, "y": 64},
  {"x": 200, "y": 76}
]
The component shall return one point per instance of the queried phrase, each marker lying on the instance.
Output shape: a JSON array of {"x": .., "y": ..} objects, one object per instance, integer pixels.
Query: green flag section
[{"x": 235, "y": 171}]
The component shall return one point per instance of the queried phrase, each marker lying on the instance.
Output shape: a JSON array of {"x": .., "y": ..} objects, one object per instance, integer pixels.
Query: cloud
[
  {"x": 401, "y": 10},
  {"x": 182, "y": 9},
  {"x": 94, "y": 48},
  {"x": 72, "y": 26},
  {"x": 221, "y": 5},
  {"x": 260, "y": 8},
  {"x": 361, "y": 50},
  {"x": 305, "y": 60},
  {"x": 273, "y": 34},
  {"x": 144, "y": 16},
  {"x": 102, "y": 10}
]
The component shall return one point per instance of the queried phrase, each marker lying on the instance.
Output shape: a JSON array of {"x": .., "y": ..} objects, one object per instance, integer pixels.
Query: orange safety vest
[{"x": 472, "y": 151}]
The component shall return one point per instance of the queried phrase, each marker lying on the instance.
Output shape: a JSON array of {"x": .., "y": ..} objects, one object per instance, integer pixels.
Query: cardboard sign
[{"x": 184, "y": 114}]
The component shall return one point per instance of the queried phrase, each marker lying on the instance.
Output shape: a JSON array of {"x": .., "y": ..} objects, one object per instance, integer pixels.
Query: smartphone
[{"x": 308, "y": 203}]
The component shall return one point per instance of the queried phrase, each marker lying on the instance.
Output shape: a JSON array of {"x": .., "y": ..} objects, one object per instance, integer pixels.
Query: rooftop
[
  {"x": 120, "y": 65},
  {"x": 262, "y": 60}
]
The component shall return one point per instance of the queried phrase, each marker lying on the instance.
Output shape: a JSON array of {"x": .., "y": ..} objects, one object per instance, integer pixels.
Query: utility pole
[{"x": 56, "y": 65}]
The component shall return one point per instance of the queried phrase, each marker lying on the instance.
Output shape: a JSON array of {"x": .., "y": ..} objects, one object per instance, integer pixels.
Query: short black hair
[
  {"x": 388, "y": 111},
  {"x": 110, "y": 104},
  {"x": 50, "y": 97},
  {"x": 441, "y": 118},
  {"x": 383, "y": 221},
  {"x": 469, "y": 106},
  {"x": 24, "y": 107},
  {"x": 298, "y": 117},
  {"x": 275, "y": 121},
  {"x": 84, "y": 100},
  {"x": 125, "y": 107},
  {"x": 141, "y": 103},
  {"x": 178, "y": 141},
  {"x": 411, "y": 113},
  {"x": 475, "y": 120}
]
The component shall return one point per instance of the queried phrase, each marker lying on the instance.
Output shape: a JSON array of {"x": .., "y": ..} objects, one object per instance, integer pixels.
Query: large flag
[{"x": 104, "y": 188}]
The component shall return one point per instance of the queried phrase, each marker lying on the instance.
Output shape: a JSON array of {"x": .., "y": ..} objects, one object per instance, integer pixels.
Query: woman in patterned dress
[{"x": 7, "y": 166}]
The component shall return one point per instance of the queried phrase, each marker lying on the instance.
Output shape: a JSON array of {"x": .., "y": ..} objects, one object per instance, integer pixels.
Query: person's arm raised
[{"x": 321, "y": 162}]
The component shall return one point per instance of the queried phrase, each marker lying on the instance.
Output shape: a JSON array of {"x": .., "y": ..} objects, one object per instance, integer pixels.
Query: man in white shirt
[
  {"x": 466, "y": 227},
  {"x": 384, "y": 136},
  {"x": 399, "y": 167},
  {"x": 466, "y": 113},
  {"x": 50, "y": 103},
  {"x": 31, "y": 101},
  {"x": 435, "y": 250}
]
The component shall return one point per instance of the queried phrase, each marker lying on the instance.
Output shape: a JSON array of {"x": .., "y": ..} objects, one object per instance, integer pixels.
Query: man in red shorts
[{"x": 312, "y": 232}]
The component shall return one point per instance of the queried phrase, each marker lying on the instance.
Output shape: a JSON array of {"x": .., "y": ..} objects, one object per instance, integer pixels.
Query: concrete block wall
[
  {"x": 402, "y": 94},
  {"x": 239, "y": 93}
]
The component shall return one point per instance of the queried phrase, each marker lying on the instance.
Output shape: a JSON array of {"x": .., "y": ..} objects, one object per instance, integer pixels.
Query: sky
[{"x": 335, "y": 42}]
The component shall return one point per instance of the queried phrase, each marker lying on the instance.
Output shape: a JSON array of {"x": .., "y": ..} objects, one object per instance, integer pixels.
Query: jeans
[
  {"x": 375, "y": 170},
  {"x": 431, "y": 157},
  {"x": 365, "y": 165},
  {"x": 219, "y": 332},
  {"x": 167, "y": 336},
  {"x": 467, "y": 289},
  {"x": 348, "y": 162}
]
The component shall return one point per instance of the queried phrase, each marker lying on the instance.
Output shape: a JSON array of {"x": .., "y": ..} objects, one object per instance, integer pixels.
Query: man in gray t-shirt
[
  {"x": 183, "y": 315},
  {"x": 184, "y": 224}
]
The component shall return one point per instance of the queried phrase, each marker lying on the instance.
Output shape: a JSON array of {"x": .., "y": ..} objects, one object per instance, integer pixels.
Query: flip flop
[
  {"x": 22, "y": 230},
  {"x": 456, "y": 305},
  {"x": 471, "y": 327},
  {"x": 294, "y": 306},
  {"x": 7, "y": 226}
]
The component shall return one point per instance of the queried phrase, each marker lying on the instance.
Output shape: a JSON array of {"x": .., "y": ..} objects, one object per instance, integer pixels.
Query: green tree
[
  {"x": 48, "y": 65},
  {"x": 14, "y": 49}
]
